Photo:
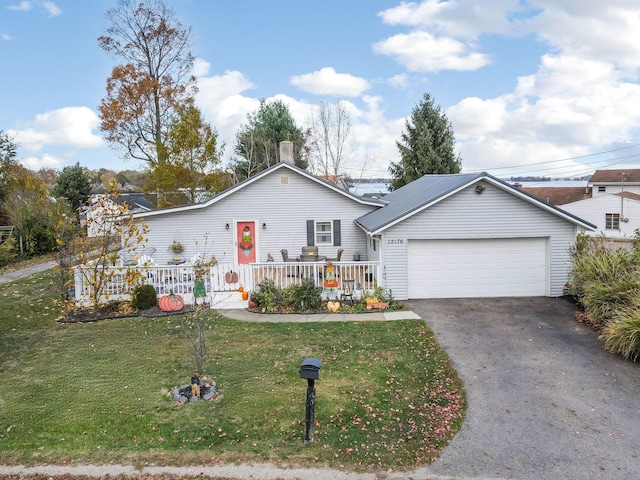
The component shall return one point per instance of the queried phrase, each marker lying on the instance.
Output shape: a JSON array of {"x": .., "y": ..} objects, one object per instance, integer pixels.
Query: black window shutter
[
  {"x": 337, "y": 241},
  {"x": 310, "y": 233}
]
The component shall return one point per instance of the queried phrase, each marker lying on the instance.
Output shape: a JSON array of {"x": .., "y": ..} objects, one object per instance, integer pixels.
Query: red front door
[{"x": 245, "y": 239}]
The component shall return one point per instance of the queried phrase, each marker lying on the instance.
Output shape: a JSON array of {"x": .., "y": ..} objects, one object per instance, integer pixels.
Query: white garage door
[{"x": 477, "y": 268}]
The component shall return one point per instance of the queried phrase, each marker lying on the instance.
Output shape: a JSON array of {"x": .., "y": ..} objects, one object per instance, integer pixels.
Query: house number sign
[{"x": 395, "y": 241}]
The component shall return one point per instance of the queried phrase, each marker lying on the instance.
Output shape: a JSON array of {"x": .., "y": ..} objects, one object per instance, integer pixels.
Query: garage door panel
[{"x": 477, "y": 268}]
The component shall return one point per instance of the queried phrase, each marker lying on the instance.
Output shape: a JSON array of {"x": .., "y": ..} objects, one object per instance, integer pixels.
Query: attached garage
[
  {"x": 497, "y": 267},
  {"x": 471, "y": 235}
]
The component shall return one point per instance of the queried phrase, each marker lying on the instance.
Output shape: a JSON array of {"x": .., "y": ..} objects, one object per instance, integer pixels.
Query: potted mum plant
[{"x": 176, "y": 248}]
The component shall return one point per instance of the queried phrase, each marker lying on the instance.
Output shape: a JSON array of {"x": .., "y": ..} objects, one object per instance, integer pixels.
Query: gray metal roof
[
  {"x": 412, "y": 196},
  {"x": 431, "y": 188}
]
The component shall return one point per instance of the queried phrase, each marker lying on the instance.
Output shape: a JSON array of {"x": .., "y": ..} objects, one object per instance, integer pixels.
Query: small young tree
[
  {"x": 195, "y": 328},
  {"x": 119, "y": 229},
  {"x": 68, "y": 244}
]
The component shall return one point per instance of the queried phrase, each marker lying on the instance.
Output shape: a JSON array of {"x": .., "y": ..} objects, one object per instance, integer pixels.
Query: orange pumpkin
[
  {"x": 241, "y": 289},
  {"x": 245, "y": 295},
  {"x": 171, "y": 303},
  {"x": 333, "y": 306}
]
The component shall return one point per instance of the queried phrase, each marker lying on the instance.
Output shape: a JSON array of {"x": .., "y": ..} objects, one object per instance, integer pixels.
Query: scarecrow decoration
[
  {"x": 195, "y": 385},
  {"x": 330, "y": 275}
]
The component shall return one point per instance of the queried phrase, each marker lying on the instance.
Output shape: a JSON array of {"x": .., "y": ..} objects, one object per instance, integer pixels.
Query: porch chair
[
  {"x": 285, "y": 256},
  {"x": 337, "y": 259},
  {"x": 291, "y": 271},
  {"x": 133, "y": 256}
]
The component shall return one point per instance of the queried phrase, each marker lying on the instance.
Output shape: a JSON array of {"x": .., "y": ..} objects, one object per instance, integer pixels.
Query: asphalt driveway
[{"x": 545, "y": 400}]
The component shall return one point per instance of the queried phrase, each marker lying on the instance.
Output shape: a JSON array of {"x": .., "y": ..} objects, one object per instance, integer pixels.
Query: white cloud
[
  {"x": 5, "y": 36},
  {"x": 399, "y": 81},
  {"x": 583, "y": 97},
  {"x": 23, "y": 6},
  {"x": 51, "y": 8},
  {"x": 43, "y": 161},
  {"x": 200, "y": 67},
  {"x": 222, "y": 103},
  {"x": 422, "y": 52},
  {"x": 460, "y": 18},
  {"x": 69, "y": 126},
  {"x": 595, "y": 30},
  {"x": 571, "y": 106},
  {"x": 327, "y": 81}
]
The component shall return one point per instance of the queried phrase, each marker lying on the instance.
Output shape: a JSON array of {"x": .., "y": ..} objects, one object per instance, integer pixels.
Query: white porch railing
[{"x": 220, "y": 280}]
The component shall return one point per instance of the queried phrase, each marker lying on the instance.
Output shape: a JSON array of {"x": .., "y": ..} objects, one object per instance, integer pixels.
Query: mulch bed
[{"x": 85, "y": 315}]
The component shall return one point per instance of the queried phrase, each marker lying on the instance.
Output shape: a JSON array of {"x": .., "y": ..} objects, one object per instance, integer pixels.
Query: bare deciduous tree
[{"x": 330, "y": 143}]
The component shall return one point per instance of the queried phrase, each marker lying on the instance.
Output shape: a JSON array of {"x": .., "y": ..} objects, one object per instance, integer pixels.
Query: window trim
[
  {"x": 612, "y": 221},
  {"x": 316, "y": 232}
]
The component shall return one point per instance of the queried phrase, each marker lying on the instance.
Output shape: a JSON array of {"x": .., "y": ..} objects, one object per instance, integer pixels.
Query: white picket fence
[{"x": 222, "y": 282}]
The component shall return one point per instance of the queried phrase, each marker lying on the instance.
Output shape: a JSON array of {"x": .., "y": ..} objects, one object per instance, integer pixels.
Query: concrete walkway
[{"x": 25, "y": 272}]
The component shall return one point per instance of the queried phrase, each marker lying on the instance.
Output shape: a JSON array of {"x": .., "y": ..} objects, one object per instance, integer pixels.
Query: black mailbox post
[{"x": 310, "y": 370}]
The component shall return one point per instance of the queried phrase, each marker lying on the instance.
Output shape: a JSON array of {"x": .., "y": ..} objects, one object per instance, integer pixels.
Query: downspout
[{"x": 621, "y": 205}]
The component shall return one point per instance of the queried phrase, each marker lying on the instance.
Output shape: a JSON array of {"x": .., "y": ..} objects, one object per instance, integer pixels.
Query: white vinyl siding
[
  {"x": 494, "y": 214},
  {"x": 284, "y": 209},
  {"x": 595, "y": 210}
]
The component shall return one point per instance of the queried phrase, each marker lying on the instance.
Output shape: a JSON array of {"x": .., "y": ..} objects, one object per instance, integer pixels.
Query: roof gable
[
  {"x": 249, "y": 181},
  {"x": 431, "y": 189},
  {"x": 631, "y": 175},
  {"x": 559, "y": 195}
]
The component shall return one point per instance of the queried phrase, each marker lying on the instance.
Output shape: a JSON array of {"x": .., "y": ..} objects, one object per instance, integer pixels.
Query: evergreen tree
[
  {"x": 258, "y": 142},
  {"x": 426, "y": 147},
  {"x": 74, "y": 185}
]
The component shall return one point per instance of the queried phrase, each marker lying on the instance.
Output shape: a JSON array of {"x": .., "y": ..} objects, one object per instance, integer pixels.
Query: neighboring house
[
  {"x": 611, "y": 201},
  {"x": 615, "y": 181},
  {"x": 464, "y": 235},
  {"x": 616, "y": 215},
  {"x": 99, "y": 209},
  {"x": 558, "y": 195}
]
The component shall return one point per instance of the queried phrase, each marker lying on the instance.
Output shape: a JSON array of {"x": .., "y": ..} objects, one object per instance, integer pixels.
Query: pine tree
[{"x": 426, "y": 147}]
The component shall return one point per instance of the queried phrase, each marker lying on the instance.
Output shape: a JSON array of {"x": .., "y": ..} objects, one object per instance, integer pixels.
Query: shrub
[
  {"x": 268, "y": 296},
  {"x": 305, "y": 296},
  {"x": 622, "y": 335},
  {"x": 7, "y": 251},
  {"x": 144, "y": 297},
  {"x": 604, "y": 280}
]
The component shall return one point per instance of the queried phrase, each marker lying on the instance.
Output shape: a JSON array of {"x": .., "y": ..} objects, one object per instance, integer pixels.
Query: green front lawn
[{"x": 100, "y": 392}]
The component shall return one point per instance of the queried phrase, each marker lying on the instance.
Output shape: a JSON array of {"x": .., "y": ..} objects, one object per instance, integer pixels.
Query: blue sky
[{"x": 546, "y": 87}]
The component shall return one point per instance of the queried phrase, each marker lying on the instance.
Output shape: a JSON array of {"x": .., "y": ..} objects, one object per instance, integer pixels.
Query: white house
[
  {"x": 464, "y": 235},
  {"x": 615, "y": 215},
  {"x": 615, "y": 181}
]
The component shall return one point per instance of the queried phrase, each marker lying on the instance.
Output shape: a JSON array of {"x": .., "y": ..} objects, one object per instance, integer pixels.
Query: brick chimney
[{"x": 286, "y": 151}]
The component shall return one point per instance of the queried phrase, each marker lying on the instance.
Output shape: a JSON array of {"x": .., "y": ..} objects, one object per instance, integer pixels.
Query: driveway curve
[{"x": 545, "y": 399}]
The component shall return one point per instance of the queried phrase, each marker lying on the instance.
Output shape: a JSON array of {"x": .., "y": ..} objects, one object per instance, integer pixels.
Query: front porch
[{"x": 223, "y": 281}]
